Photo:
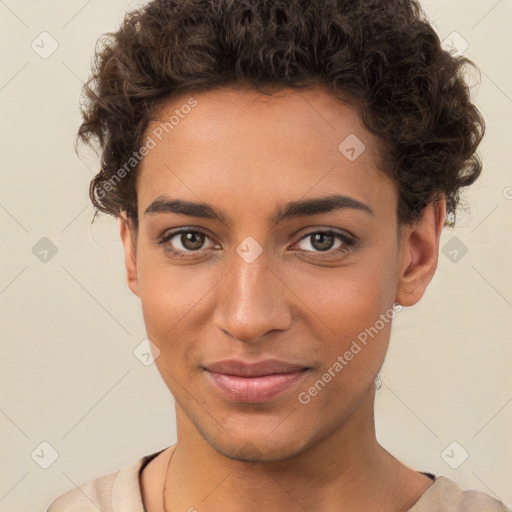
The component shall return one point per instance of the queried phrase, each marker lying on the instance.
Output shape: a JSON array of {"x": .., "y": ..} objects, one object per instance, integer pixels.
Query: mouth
[{"x": 254, "y": 382}]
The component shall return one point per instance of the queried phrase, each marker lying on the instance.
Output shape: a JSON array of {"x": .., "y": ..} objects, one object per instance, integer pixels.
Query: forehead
[{"x": 279, "y": 146}]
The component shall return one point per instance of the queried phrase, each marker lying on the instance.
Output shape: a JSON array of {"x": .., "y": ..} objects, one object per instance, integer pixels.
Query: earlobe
[
  {"x": 419, "y": 252},
  {"x": 130, "y": 254}
]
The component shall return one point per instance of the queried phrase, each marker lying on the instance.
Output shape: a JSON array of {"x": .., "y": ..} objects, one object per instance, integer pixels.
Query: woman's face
[{"x": 251, "y": 279}]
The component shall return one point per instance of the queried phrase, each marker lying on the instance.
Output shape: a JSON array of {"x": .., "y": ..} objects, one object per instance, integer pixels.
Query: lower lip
[{"x": 255, "y": 389}]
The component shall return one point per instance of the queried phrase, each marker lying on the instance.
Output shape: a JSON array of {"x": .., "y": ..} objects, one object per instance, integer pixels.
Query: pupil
[
  {"x": 323, "y": 246},
  {"x": 192, "y": 241}
]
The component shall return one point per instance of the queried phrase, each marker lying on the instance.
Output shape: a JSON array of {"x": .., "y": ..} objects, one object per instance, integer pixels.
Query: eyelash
[{"x": 347, "y": 243}]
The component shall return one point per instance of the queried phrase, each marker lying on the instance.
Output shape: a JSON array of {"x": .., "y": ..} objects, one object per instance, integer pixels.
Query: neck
[{"x": 347, "y": 467}]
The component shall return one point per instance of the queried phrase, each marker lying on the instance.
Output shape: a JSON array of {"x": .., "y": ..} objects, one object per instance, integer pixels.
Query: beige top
[{"x": 121, "y": 492}]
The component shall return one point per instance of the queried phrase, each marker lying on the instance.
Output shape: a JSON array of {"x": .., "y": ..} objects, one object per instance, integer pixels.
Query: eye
[
  {"x": 327, "y": 241},
  {"x": 183, "y": 241}
]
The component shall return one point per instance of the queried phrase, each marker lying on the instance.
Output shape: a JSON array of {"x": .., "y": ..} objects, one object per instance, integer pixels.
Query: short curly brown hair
[{"x": 382, "y": 56}]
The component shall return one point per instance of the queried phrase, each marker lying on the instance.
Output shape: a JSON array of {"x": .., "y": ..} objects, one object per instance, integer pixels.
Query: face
[{"x": 294, "y": 259}]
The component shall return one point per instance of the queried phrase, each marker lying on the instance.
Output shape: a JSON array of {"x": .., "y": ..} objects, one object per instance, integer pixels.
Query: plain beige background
[{"x": 70, "y": 325}]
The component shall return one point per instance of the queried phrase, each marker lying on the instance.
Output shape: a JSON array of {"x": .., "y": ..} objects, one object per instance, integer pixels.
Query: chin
[
  {"x": 251, "y": 452},
  {"x": 248, "y": 446}
]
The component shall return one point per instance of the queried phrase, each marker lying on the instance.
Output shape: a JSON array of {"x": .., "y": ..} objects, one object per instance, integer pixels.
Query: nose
[{"x": 252, "y": 301}]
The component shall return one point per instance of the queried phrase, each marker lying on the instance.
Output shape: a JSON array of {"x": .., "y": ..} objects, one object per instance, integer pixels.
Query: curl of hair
[{"x": 381, "y": 56}]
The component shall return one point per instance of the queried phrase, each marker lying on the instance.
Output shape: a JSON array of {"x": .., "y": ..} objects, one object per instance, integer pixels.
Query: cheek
[
  {"x": 175, "y": 302},
  {"x": 166, "y": 310},
  {"x": 163, "y": 297},
  {"x": 352, "y": 314},
  {"x": 350, "y": 298},
  {"x": 164, "y": 289}
]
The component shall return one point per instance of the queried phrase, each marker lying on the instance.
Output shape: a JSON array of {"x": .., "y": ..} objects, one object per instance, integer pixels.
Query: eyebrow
[{"x": 290, "y": 210}]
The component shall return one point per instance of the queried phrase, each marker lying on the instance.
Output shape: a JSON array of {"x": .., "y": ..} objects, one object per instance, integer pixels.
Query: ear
[
  {"x": 419, "y": 252},
  {"x": 129, "y": 239}
]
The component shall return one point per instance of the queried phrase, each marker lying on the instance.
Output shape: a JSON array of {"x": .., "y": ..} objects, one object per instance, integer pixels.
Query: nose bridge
[{"x": 252, "y": 300}]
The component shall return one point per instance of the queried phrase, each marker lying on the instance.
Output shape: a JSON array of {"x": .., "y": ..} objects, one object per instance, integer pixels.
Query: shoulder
[
  {"x": 87, "y": 497},
  {"x": 444, "y": 495},
  {"x": 109, "y": 493}
]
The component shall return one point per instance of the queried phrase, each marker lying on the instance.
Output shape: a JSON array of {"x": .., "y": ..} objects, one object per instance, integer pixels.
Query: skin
[{"x": 247, "y": 153}]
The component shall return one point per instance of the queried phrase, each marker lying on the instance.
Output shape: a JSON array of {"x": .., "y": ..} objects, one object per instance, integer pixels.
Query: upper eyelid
[
  {"x": 168, "y": 235},
  {"x": 331, "y": 231}
]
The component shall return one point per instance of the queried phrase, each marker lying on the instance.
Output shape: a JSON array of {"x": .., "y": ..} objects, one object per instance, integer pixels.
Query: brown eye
[
  {"x": 185, "y": 241},
  {"x": 322, "y": 241},
  {"x": 326, "y": 241},
  {"x": 193, "y": 240}
]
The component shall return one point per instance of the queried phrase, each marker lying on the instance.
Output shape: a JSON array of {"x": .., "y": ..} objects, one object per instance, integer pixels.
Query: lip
[{"x": 260, "y": 381}]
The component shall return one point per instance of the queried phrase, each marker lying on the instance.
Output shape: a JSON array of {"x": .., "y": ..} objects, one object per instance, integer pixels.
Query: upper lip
[{"x": 256, "y": 369}]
